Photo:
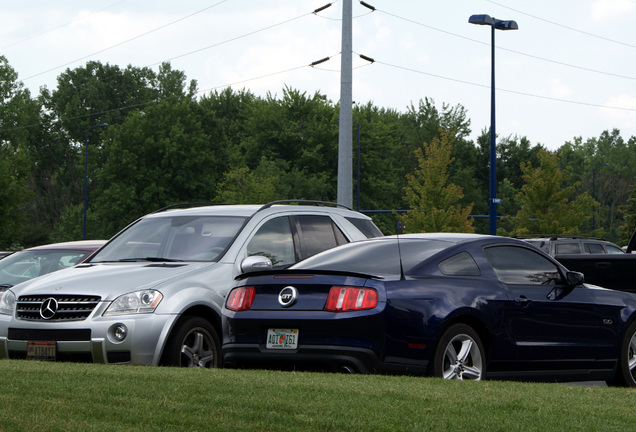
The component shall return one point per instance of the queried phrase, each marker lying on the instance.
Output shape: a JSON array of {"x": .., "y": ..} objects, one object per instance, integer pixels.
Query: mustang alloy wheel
[
  {"x": 626, "y": 371},
  {"x": 193, "y": 344},
  {"x": 459, "y": 355}
]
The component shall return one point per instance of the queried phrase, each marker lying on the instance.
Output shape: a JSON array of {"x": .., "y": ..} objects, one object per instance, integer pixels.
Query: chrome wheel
[
  {"x": 460, "y": 355},
  {"x": 631, "y": 358},
  {"x": 625, "y": 375},
  {"x": 462, "y": 359},
  {"x": 193, "y": 343},
  {"x": 198, "y": 349}
]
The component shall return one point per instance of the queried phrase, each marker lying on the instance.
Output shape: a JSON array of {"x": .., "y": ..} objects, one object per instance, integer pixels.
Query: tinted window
[
  {"x": 376, "y": 257},
  {"x": 516, "y": 265},
  {"x": 611, "y": 249},
  {"x": 594, "y": 248},
  {"x": 366, "y": 227},
  {"x": 274, "y": 240},
  {"x": 461, "y": 264},
  {"x": 319, "y": 233},
  {"x": 567, "y": 248}
]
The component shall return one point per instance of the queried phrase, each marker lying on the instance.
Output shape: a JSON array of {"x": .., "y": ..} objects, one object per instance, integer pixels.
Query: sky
[{"x": 568, "y": 71}]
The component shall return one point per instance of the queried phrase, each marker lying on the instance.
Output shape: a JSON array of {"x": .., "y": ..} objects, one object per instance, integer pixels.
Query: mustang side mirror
[
  {"x": 574, "y": 278},
  {"x": 255, "y": 263}
]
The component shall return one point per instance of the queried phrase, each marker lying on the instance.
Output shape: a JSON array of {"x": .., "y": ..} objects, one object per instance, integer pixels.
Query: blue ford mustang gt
[{"x": 457, "y": 306}]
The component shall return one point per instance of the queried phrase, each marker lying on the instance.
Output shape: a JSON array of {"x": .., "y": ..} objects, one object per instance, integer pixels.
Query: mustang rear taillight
[
  {"x": 240, "y": 299},
  {"x": 344, "y": 299}
]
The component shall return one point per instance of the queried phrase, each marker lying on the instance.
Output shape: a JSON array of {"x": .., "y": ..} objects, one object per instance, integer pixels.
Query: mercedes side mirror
[{"x": 255, "y": 263}]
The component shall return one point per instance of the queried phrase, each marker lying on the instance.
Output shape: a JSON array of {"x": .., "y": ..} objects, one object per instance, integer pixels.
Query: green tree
[
  {"x": 629, "y": 223},
  {"x": 606, "y": 168},
  {"x": 13, "y": 195},
  {"x": 549, "y": 204},
  {"x": 258, "y": 186},
  {"x": 100, "y": 93},
  {"x": 434, "y": 202},
  {"x": 17, "y": 113},
  {"x": 156, "y": 158},
  {"x": 299, "y": 134}
]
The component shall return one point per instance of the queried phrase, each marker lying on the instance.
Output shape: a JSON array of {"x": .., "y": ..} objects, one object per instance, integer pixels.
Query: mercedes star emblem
[{"x": 48, "y": 309}]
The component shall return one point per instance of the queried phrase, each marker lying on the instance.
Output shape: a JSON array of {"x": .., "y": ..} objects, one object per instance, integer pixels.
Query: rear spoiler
[{"x": 305, "y": 272}]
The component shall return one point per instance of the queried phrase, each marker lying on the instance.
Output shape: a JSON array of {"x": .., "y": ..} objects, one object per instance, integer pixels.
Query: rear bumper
[{"x": 312, "y": 357}]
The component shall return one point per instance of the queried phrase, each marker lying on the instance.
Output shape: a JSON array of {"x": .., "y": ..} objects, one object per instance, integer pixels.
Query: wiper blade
[
  {"x": 5, "y": 285},
  {"x": 151, "y": 259}
]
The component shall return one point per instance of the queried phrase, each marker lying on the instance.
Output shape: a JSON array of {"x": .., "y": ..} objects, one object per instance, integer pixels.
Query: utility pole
[{"x": 345, "y": 138}]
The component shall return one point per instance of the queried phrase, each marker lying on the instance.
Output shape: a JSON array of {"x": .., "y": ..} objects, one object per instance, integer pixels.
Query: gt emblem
[
  {"x": 48, "y": 309},
  {"x": 288, "y": 296}
]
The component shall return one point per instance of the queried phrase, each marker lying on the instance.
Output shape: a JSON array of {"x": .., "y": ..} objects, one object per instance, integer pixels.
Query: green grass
[{"x": 77, "y": 397}]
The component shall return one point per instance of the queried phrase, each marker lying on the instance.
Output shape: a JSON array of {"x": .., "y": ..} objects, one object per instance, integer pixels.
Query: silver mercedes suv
[{"x": 153, "y": 294}]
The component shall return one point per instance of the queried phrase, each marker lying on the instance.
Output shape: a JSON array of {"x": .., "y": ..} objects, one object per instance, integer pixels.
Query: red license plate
[{"x": 41, "y": 350}]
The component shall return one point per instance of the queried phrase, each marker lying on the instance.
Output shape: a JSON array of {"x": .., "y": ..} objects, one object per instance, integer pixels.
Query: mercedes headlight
[
  {"x": 7, "y": 302},
  {"x": 138, "y": 302}
]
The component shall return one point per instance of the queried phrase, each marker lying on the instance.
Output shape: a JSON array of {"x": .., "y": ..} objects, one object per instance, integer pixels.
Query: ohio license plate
[
  {"x": 282, "y": 338},
  {"x": 41, "y": 350}
]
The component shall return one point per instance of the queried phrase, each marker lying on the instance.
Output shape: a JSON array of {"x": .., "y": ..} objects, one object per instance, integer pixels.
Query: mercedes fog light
[{"x": 119, "y": 332}]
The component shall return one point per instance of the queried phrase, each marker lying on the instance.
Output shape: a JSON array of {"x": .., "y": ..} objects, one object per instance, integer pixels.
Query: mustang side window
[
  {"x": 517, "y": 265},
  {"x": 461, "y": 264}
]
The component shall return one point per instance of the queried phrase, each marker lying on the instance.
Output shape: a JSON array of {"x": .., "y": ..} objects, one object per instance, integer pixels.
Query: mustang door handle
[{"x": 523, "y": 300}]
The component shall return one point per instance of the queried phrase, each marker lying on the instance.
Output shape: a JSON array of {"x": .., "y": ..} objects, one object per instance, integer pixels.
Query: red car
[{"x": 39, "y": 260}]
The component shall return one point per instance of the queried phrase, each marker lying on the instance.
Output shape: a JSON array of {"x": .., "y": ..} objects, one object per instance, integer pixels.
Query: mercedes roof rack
[{"x": 304, "y": 202}]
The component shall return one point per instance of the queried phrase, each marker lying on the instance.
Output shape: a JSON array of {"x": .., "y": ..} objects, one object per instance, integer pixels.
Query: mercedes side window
[
  {"x": 366, "y": 227},
  {"x": 521, "y": 266},
  {"x": 318, "y": 233},
  {"x": 274, "y": 240}
]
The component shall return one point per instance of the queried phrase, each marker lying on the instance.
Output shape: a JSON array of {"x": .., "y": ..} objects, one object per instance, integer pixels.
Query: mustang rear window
[{"x": 380, "y": 258}]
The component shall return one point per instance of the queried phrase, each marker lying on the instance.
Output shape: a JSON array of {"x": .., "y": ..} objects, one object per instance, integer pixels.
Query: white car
[{"x": 153, "y": 294}]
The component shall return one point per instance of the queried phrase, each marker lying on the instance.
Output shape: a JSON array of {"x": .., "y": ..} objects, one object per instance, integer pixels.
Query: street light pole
[
  {"x": 358, "y": 170},
  {"x": 86, "y": 174},
  {"x": 494, "y": 24}
]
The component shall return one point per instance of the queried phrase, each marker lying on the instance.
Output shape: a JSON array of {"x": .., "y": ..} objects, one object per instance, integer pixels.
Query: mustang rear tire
[
  {"x": 460, "y": 355},
  {"x": 626, "y": 371},
  {"x": 193, "y": 343}
]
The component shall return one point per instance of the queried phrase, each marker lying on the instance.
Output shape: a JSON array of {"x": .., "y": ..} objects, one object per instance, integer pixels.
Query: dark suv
[{"x": 571, "y": 244}]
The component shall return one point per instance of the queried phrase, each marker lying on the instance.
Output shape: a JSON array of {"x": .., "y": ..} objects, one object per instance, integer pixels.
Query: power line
[
  {"x": 126, "y": 41},
  {"x": 505, "y": 90},
  {"x": 83, "y": 17},
  {"x": 232, "y": 39},
  {"x": 561, "y": 25},
  {"x": 506, "y": 49}
]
